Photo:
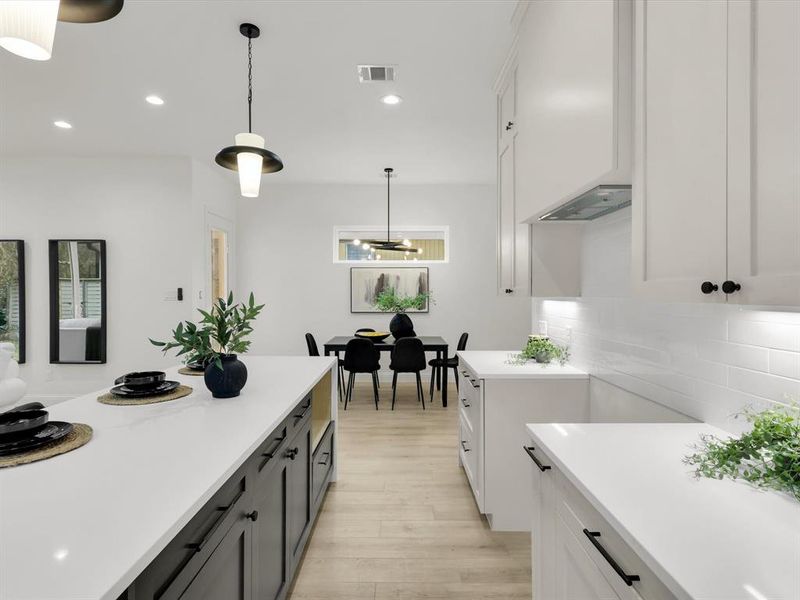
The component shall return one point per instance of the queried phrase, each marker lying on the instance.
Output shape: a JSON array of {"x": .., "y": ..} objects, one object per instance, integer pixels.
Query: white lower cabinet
[
  {"x": 576, "y": 554},
  {"x": 492, "y": 418}
]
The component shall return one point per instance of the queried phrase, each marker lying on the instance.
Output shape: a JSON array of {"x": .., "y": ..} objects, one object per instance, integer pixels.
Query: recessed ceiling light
[
  {"x": 155, "y": 100},
  {"x": 62, "y": 124},
  {"x": 391, "y": 99}
]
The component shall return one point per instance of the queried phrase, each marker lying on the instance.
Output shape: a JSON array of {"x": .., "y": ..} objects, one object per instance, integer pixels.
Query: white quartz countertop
[
  {"x": 84, "y": 524},
  {"x": 705, "y": 539},
  {"x": 491, "y": 364}
]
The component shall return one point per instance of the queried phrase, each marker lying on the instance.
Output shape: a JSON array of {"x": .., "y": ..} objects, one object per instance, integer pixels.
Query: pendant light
[
  {"x": 388, "y": 244},
  {"x": 28, "y": 28},
  {"x": 247, "y": 155}
]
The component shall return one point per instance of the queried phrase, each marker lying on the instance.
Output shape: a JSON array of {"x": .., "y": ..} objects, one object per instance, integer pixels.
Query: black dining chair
[
  {"x": 313, "y": 350},
  {"x": 375, "y": 375},
  {"x": 408, "y": 356},
  {"x": 361, "y": 356},
  {"x": 437, "y": 364}
]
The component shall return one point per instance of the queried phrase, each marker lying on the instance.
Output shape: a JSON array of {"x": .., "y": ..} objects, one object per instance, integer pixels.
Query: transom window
[{"x": 354, "y": 244}]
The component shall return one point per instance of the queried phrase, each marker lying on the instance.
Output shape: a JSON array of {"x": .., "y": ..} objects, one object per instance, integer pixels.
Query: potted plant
[
  {"x": 229, "y": 325},
  {"x": 389, "y": 301},
  {"x": 193, "y": 342},
  {"x": 542, "y": 350}
]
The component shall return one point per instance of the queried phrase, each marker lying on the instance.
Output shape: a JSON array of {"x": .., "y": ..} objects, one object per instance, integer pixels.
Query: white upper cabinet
[
  {"x": 573, "y": 93},
  {"x": 679, "y": 192},
  {"x": 716, "y": 196},
  {"x": 764, "y": 153}
]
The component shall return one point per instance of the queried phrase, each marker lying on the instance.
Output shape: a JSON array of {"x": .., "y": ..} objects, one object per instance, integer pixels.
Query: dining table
[{"x": 430, "y": 343}]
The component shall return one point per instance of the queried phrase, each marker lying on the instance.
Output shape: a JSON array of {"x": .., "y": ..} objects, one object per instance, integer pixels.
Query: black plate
[
  {"x": 17, "y": 422},
  {"x": 124, "y": 391},
  {"x": 53, "y": 431},
  {"x": 141, "y": 379}
]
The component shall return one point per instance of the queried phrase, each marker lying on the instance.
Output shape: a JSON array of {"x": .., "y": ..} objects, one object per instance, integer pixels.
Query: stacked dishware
[
  {"x": 27, "y": 428},
  {"x": 143, "y": 384}
]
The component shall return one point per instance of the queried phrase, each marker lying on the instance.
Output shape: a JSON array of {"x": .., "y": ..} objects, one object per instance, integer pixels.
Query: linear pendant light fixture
[
  {"x": 28, "y": 27},
  {"x": 248, "y": 155},
  {"x": 388, "y": 244}
]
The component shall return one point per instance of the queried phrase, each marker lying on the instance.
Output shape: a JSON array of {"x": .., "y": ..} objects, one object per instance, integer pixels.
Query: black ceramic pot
[
  {"x": 228, "y": 382},
  {"x": 401, "y": 326}
]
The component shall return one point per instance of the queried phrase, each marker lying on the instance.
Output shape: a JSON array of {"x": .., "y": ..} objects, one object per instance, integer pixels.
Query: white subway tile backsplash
[{"x": 709, "y": 361}]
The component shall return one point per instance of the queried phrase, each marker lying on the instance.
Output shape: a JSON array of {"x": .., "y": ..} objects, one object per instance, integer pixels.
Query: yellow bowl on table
[{"x": 375, "y": 336}]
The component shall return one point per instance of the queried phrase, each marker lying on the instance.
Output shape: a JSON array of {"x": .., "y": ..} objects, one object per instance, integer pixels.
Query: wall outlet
[{"x": 542, "y": 327}]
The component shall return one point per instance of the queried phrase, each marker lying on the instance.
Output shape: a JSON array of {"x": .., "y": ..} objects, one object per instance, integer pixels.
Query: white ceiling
[{"x": 308, "y": 103}]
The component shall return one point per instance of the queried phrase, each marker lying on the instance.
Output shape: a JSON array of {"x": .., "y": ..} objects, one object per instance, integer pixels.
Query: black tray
[
  {"x": 124, "y": 391},
  {"x": 51, "y": 432}
]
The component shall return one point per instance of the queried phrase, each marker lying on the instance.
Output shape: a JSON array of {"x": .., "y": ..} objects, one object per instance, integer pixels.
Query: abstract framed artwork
[{"x": 367, "y": 282}]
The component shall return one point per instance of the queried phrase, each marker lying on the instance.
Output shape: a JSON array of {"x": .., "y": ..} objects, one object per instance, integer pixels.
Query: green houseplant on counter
[
  {"x": 767, "y": 457},
  {"x": 542, "y": 350},
  {"x": 225, "y": 328},
  {"x": 193, "y": 343},
  {"x": 389, "y": 301}
]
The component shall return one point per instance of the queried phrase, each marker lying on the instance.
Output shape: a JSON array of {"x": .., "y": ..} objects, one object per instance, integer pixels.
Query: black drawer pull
[
  {"x": 464, "y": 402},
  {"x": 277, "y": 445},
  {"x": 225, "y": 510},
  {"x": 291, "y": 453},
  {"x": 464, "y": 446},
  {"x": 302, "y": 414},
  {"x": 529, "y": 450},
  {"x": 326, "y": 456},
  {"x": 593, "y": 535}
]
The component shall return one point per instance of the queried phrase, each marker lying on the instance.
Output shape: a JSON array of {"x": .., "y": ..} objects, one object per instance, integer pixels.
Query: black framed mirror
[
  {"x": 78, "y": 301},
  {"x": 12, "y": 296}
]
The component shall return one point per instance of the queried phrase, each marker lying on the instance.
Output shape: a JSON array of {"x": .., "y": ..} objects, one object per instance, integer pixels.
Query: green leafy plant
[
  {"x": 193, "y": 343},
  {"x": 766, "y": 457},
  {"x": 223, "y": 330},
  {"x": 542, "y": 350},
  {"x": 229, "y": 325},
  {"x": 389, "y": 301}
]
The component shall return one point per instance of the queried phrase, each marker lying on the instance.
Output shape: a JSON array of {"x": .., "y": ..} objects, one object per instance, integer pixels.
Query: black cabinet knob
[
  {"x": 291, "y": 453},
  {"x": 730, "y": 286},
  {"x": 509, "y": 125},
  {"x": 253, "y": 516},
  {"x": 707, "y": 287},
  {"x": 509, "y": 291}
]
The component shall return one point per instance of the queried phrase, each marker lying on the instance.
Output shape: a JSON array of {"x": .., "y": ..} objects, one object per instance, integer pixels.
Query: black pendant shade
[
  {"x": 88, "y": 11},
  {"x": 227, "y": 157}
]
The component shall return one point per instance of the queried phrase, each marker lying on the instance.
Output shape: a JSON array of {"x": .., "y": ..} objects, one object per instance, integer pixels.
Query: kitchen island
[
  {"x": 146, "y": 505},
  {"x": 619, "y": 515}
]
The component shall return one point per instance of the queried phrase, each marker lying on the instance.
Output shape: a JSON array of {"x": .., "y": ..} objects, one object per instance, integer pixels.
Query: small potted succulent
[
  {"x": 216, "y": 341},
  {"x": 389, "y": 301},
  {"x": 542, "y": 350}
]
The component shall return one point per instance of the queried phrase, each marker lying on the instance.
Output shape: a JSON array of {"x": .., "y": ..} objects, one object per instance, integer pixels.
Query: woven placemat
[
  {"x": 190, "y": 372},
  {"x": 178, "y": 392},
  {"x": 79, "y": 435}
]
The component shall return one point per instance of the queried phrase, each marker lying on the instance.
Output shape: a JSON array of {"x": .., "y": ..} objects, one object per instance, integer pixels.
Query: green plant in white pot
[{"x": 542, "y": 350}]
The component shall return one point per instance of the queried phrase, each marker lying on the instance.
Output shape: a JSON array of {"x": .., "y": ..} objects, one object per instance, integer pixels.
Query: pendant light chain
[{"x": 250, "y": 85}]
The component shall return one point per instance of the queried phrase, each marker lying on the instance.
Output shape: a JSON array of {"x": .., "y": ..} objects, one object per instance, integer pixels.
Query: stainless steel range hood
[{"x": 592, "y": 204}]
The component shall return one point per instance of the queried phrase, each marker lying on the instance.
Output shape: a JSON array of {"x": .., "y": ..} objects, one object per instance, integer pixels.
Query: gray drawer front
[
  {"x": 322, "y": 464},
  {"x": 300, "y": 416}
]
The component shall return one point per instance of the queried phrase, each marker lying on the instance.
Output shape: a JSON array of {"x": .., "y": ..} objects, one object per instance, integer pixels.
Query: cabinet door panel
[
  {"x": 226, "y": 574},
  {"x": 298, "y": 493},
  {"x": 269, "y": 533},
  {"x": 577, "y": 576},
  {"x": 680, "y": 202},
  {"x": 764, "y": 151}
]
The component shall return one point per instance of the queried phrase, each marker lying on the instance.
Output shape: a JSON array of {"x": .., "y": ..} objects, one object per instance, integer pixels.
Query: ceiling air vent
[{"x": 367, "y": 73}]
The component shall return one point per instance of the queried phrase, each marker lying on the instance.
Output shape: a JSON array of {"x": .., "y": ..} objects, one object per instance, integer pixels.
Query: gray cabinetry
[{"x": 247, "y": 542}]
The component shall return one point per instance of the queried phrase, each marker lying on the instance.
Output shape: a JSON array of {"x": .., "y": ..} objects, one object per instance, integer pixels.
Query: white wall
[
  {"x": 285, "y": 247},
  {"x": 147, "y": 211},
  {"x": 707, "y": 361}
]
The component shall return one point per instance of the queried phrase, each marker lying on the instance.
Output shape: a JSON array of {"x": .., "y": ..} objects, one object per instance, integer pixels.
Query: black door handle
[
  {"x": 529, "y": 450},
  {"x": 509, "y": 125},
  {"x": 593, "y": 535},
  {"x": 253, "y": 516},
  {"x": 509, "y": 291},
  {"x": 729, "y": 287},
  {"x": 707, "y": 287},
  {"x": 464, "y": 445}
]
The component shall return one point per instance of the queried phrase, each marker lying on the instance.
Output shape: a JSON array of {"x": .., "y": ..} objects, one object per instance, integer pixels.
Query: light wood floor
[{"x": 401, "y": 522}]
